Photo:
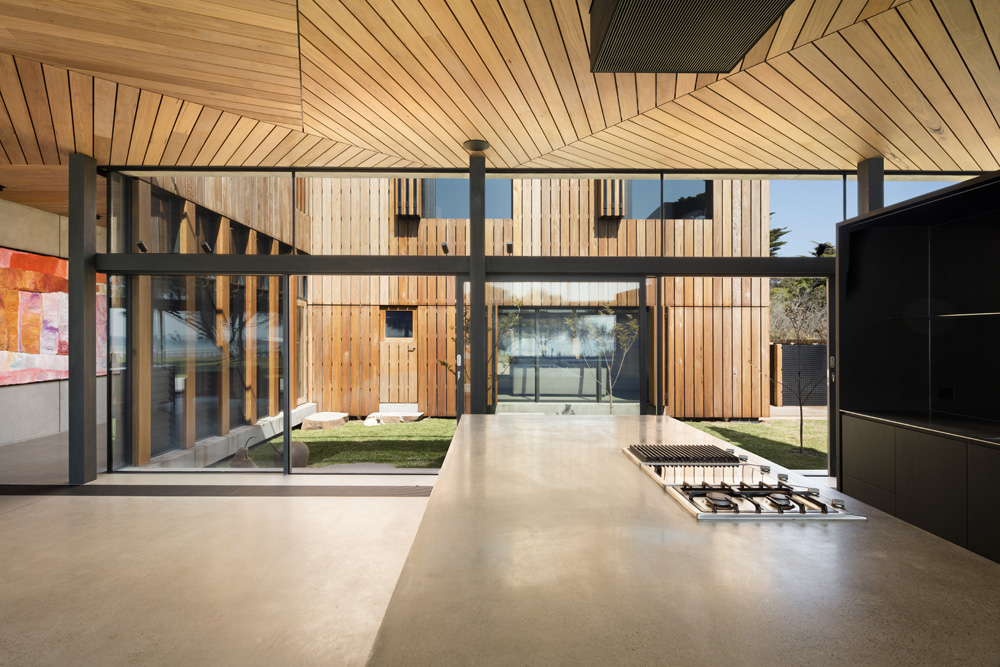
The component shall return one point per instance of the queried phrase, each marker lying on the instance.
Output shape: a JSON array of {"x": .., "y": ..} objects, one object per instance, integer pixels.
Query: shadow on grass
[{"x": 782, "y": 453}]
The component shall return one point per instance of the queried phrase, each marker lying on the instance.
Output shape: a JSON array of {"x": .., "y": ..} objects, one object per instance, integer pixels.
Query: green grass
[
  {"x": 421, "y": 444},
  {"x": 776, "y": 440}
]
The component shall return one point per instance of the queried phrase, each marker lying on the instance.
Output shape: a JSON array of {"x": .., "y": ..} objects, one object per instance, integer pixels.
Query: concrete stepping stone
[{"x": 320, "y": 420}]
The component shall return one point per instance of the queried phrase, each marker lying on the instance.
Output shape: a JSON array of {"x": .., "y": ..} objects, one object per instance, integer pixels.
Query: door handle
[{"x": 411, "y": 349}]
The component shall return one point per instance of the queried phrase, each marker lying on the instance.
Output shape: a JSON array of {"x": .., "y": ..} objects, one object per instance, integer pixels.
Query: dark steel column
[
  {"x": 459, "y": 347},
  {"x": 643, "y": 341},
  {"x": 658, "y": 322},
  {"x": 286, "y": 370},
  {"x": 477, "y": 281},
  {"x": 82, "y": 319},
  {"x": 833, "y": 409},
  {"x": 871, "y": 185}
]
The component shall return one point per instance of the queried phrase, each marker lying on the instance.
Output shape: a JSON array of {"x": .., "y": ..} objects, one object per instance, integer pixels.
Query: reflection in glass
[
  {"x": 448, "y": 198},
  {"x": 399, "y": 324},
  {"x": 190, "y": 403}
]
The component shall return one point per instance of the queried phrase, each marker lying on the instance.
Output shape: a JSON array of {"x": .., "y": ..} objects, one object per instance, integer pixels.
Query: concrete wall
[{"x": 38, "y": 409}]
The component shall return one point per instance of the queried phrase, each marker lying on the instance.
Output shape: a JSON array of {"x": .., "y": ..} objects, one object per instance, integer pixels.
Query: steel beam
[
  {"x": 276, "y": 265},
  {"x": 286, "y": 367},
  {"x": 604, "y": 268},
  {"x": 82, "y": 319}
]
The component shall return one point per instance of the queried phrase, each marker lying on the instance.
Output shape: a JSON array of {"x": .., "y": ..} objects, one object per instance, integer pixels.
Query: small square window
[{"x": 399, "y": 324}]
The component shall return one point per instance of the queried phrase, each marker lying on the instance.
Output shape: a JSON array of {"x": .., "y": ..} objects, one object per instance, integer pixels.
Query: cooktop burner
[{"x": 712, "y": 483}]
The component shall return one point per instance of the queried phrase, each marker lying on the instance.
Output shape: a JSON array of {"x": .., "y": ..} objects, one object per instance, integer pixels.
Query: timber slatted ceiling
[{"x": 395, "y": 84}]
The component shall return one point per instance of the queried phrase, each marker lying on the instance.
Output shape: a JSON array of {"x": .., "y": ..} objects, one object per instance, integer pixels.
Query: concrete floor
[{"x": 147, "y": 579}]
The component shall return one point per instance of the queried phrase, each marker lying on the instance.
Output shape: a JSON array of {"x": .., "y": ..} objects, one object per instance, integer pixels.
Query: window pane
[
  {"x": 644, "y": 202},
  {"x": 687, "y": 200},
  {"x": 399, "y": 324},
  {"x": 499, "y": 198},
  {"x": 448, "y": 198}
]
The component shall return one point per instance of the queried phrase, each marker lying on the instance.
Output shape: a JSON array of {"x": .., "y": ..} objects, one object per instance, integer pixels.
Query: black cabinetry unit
[{"x": 918, "y": 360}]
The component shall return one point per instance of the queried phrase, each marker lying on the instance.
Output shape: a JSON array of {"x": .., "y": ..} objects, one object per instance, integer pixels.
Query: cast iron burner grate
[{"x": 684, "y": 455}]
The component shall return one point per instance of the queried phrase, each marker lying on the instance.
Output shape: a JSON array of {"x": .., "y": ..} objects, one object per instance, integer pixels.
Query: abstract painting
[{"x": 34, "y": 318}]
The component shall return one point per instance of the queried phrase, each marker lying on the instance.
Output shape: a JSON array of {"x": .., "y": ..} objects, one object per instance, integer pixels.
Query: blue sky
[{"x": 812, "y": 209}]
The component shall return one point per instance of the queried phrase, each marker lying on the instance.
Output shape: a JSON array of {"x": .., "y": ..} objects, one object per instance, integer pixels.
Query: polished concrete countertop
[{"x": 543, "y": 544}]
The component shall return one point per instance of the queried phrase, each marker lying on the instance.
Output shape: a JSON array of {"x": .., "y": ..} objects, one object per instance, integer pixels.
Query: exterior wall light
[{"x": 141, "y": 245}]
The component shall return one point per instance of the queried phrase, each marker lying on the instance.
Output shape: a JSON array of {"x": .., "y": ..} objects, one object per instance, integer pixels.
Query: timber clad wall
[{"x": 713, "y": 332}]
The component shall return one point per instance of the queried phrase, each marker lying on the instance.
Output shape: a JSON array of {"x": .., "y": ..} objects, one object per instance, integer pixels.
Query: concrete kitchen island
[{"x": 543, "y": 544}]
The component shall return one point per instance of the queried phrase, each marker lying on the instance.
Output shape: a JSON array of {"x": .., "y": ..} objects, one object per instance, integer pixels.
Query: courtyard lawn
[
  {"x": 776, "y": 440},
  {"x": 421, "y": 444}
]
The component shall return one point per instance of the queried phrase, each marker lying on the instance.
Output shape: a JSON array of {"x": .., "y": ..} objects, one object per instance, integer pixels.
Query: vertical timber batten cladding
[
  {"x": 264, "y": 205},
  {"x": 715, "y": 331}
]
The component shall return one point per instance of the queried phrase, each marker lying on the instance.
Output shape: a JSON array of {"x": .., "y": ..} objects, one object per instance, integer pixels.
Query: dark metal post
[
  {"x": 871, "y": 185},
  {"x": 286, "y": 368},
  {"x": 658, "y": 344},
  {"x": 459, "y": 347},
  {"x": 82, "y": 319},
  {"x": 477, "y": 281},
  {"x": 833, "y": 421},
  {"x": 643, "y": 341}
]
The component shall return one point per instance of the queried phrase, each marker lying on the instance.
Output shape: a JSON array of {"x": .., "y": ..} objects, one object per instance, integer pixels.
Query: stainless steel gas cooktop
[{"x": 716, "y": 484}]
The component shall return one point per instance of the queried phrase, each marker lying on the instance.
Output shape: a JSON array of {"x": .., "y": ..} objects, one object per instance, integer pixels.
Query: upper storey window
[{"x": 448, "y": 198}]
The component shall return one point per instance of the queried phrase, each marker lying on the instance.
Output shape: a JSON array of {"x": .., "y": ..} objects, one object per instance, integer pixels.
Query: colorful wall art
[{"x": 34, "y": 318}]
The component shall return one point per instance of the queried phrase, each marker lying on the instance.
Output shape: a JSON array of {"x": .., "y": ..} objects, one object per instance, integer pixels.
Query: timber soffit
[{"x": 394, "y": 84}]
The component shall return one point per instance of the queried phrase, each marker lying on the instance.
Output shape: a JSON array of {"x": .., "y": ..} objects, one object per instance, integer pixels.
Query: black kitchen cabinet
[
  {"x": 984, "y": 522},
  {"x": 918, "y": 382}
]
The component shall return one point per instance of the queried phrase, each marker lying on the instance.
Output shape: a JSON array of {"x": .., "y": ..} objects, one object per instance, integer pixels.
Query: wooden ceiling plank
[
  {"x": 329, "y": 154},
  {"x": 291, "y": 140},
  {"x": 762, "y": 100},
  {"x": 711, "y": 123},
  {"x": 628, "y": 95},
  {"x": 257, "y": 135},
  {"x": 686, "y": 83},
  {"x": 17, "y": 108},
  {"x": 344, "y": 159},
  {"x": 460, "y": 81},
  {"x": 552, "y": 116},
  {"x": 305, "y": 144},
  {"x": 191, "y": 72},
  {"x": 896, "y": 36},
  {"x": 705, "y": 79},
  {"x": 125, "y": 107},
  {"x": 870, "y": 48},
  {"x": 595, "y": 156},
  {"x": 867, "y": 92},
  {"x": 419, "y": 122},
  {"x": 963, "y": 24},
  {"x": 264, "y": 148},
  {"x": 873, "y": 8},
  {"x": 567, "y": 112},
  {"x": 621, "y": 148},
  {"x": 607, "y": 86},
  {"x": 928, "y": 29},
  {"x": 235, "y": 15},
  {"x": 731, "y": 100},
  {"x": 666, "y": 85},
  {"x": 203, "y": 127},
  {"x": 816, "y": 23},
  {"x": 8, "y": 138},
  {"x": 821, "y": 82},
  {"x": 645, "y": 88},
  {"x": 81, "y": 88},
  {"x": 163, "y": 127},
  {"x": 347, "y": 124},
  {"x": 342, "y": 87},
  {"x": 105, "y": 93},
  {"x": 376, "y": 47},
  {"x": 243, "y": 128},
  {"x": 847, "y": 14},
  {"x": 61, "y": 108},
  {"x": 656, "y": 147},
  {"x": 220, "y": 132},
  {"x": 371, "y": 161},
  {"x": 538, "y": 23},
  {"x": 789, "y": 27},
  {"x": 661, "y": 123},
  {"x": 142, "y": 130},
  {"x": 472, "y": 42},
  {"x": 183, "y": 126},
  {"x": 315, "y": 121},
  {"x": 758, "y": 53},
  {"x": 322, "y": 146},
  {"x": 108, "y": 29}
]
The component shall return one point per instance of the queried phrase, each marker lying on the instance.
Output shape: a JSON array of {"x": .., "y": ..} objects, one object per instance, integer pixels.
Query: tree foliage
[{"x": 607, "y": 342}]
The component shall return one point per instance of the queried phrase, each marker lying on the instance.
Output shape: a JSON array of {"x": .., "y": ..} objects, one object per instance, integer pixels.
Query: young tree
[
  {"x": 799, "y": 315},
  {"x": 607, "y": 340},
  {"x": 496, "y": 361}
]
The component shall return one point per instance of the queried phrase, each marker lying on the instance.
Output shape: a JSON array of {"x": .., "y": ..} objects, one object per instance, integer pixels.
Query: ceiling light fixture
[{"x": 476, "y": 145}]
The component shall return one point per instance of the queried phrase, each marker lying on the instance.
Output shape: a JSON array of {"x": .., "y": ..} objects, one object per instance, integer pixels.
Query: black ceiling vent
[{"x": 702, "y": 36}]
